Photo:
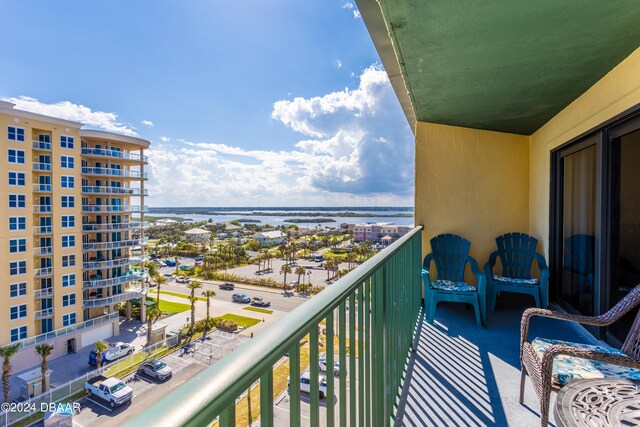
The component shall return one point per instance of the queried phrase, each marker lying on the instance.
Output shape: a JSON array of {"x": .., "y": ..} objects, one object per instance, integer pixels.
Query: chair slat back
[
  {"x": 516, "y": 251},
  {"x": 450, "y": 253}
]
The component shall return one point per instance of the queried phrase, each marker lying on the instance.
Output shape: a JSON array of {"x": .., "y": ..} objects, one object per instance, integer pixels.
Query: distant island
[
  {"x": 305, "y": 214},
  {"x": 248, "y": 220},
  {"x": 305, "y": 220}
]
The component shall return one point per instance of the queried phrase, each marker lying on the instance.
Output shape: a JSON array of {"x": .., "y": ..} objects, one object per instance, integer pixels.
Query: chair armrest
[
  {"x": 542, "y": 265},
  {"x": 426, "y": 268},
  {"x": 488, "y": 267},
  {"x": 558, "y": 349},
  {"x": 482, "y": 278},
  {"x": 540, "y": 312}
]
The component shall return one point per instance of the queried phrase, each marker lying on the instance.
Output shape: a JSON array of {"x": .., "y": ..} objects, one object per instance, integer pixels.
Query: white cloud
[
  {"x": 147, "y": 123},
  {"x": 338, "y": 63},
  {"x": 165, "y": 139},
  {"x": 357, "y": 149},
  {"x": 348, "y": 5},
  {"x": 74, "y": 112},
  {"x": 356, "y": 14}
]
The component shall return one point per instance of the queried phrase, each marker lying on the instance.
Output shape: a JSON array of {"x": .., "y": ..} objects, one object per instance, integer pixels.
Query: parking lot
[{"x": 185, "y": 363}]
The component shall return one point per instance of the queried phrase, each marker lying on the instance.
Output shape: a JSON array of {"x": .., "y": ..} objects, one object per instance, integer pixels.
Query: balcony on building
[
  {"x": 43, "y": 229},
  {"x": 118, "y": 226},
  {"x": 499, "y": 95},
  {"x": 87, "y": 208},
  {"x": 113, "y": 153},
  {"x": 43, "y": 293},
  {"x": 129, "y": 294},
  {"x": 42, "y": 188},
  {"x": 41, "y": 145},
  {"x": 42, "y": 209},
  {"x": 41, "y": 167},
  {"x": 43, "y": 272},
  {"x": 113, "y": 172},
  {"x": 99, "y": 264},
  {"x": 46, "y": 313},
  {"x": 131, "y": 276},
  {"x": 120, "y": 191},
  {"x": 101, "y": 246}
]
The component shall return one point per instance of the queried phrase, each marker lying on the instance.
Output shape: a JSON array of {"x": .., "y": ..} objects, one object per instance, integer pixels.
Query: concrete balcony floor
[{"x": 462, "y": 375}]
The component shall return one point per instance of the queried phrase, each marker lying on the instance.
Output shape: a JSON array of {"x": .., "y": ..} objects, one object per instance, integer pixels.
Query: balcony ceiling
[{"x": 498, "y": 64}]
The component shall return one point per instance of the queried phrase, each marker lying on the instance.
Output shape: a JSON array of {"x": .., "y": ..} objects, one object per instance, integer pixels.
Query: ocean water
[{"x": 277, "y": 216}]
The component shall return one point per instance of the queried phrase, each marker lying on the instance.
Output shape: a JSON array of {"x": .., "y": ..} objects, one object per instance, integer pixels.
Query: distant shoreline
[
  {"x": 347, "y": 214},
  {"x": 305, "y": 220}
]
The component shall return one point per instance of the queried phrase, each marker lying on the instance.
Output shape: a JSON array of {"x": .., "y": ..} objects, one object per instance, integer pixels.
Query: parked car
[
  {"x": 294, "y": 284},
  {"x": 245, "y": 299},
  {"x": 114, "y": 352},
  {"x": 169, "y": 263},
  {"x": 156, "y": 369},
  {"x": 112, "y": 390},
  {"x": 259, "y": 302},
  {"x": 160, "y": 263},
  {"x": 199, "y": 258},
  {"x": 322, "y": 364},
  {"x": 318, "y": 258},
  {"x": 227, "y": 286},
  {"x": 184, "y": 267},
  {"x": 182, "y": 279},
  {"x": 305, "y": 384}
]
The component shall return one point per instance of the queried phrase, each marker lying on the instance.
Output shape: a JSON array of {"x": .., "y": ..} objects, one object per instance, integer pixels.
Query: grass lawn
[
  {"x": 259, "y": 310},
  {"x": 179, "y": 295},
  {"x": 172, "y": 307},
  {"x": 247, "y": 322}
]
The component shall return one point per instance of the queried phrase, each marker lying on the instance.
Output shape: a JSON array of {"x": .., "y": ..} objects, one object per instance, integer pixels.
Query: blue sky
[{"x": 245, "y": 103}]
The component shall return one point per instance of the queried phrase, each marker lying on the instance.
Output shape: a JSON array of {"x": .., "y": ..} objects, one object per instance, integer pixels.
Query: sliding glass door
[{"x": 595, "y": 223}]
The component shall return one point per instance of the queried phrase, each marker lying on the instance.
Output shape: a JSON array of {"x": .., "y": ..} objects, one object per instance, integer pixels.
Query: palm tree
[
  {"x": 177, "y": 260},
  {"x": 152, "y": 269},
  {"x": 153, "y": 313},
  {"x": 300, "y": 272},
  {"x": 285, "y": 269},
  {"x": 7, "y": 352},
  {"x": 44, "y": 350},
  {"x": 329, "y": 264},
  {"x": 159, "y": 280},
  {"x": 208, "y": 294},
  {"x": 193, "y": 286},
  {"x": 101, "y": 347}
]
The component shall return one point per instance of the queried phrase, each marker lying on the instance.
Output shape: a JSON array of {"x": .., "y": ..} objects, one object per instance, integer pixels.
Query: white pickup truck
[{"x": 112, "y": 390}]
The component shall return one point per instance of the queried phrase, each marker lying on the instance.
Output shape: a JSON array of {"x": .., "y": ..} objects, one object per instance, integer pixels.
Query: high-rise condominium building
[{"x": 70, "y": 237}]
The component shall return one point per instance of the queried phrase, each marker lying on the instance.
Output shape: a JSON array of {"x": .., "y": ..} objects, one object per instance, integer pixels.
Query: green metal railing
[{"x": 372, "y": 312}]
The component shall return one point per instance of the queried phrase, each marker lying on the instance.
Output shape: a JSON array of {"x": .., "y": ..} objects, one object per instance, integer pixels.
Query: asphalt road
[{"x": 278, "y": 301}]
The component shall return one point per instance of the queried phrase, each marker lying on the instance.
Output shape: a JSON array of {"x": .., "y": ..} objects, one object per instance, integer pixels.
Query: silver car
[{"x": 156, "y": 369}]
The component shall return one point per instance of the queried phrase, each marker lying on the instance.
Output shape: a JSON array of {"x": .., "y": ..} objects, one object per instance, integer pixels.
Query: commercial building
[
  {"x": 376, "y": 231},
  {"x": 269, "y": 238},
  {"x": 67, "y": 230}
]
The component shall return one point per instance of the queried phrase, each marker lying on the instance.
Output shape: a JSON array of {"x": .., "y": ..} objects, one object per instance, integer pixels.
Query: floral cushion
[
  {"x": 567, "y": 369},
  {"x": 505, "y": 279},
  {"x": 448, "y": 285}
]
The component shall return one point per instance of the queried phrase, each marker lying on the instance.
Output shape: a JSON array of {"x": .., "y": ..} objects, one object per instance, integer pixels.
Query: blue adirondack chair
[
  {"x": 517, "y": 252},
  {"x": 450, "y": 254}
]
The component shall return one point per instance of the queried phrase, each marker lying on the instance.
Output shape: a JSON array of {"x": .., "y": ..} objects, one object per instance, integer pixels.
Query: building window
[
  {"x": 17, "y": 267},
  {"x": 68, "y": 280},
  {"x": 17, "y": 223},
  {"x": 17, "y": 201},
  {"x": 66, "y": 162},
  {"x": 68, "y": 201},
  {"x": 68, "y": 300},
  {"x": 67, "y": 181},
  {"x": 18, "y": 311},
  {"x": 18, "y": 290},
  {"x": 68, "y": 241},
  {"x": 16, "y": 178},
  {"x": 68, "y": 260},
  {"x": 17, "y": 246},
  {"x": 18, "y": 334},
  {"x": 66, "y": 141},
  {"x": 16, "y": 156},
  {"x": 68, "y": 221},
  {"x": 15, "y": 134},
  {"x": 69, "y": 319}
]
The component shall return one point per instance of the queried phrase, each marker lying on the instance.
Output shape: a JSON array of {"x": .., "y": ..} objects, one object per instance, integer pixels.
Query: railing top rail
[{"x": 205, "y": 395}]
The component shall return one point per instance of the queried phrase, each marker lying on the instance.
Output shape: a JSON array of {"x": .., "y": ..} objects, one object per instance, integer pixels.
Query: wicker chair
[{"x": 540, "y": 366}]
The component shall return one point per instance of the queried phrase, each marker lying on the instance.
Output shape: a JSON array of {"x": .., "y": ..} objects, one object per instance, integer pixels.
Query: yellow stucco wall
[
  {"x": 616, "y": 92},
  {"x": 471, "y": 182}
]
